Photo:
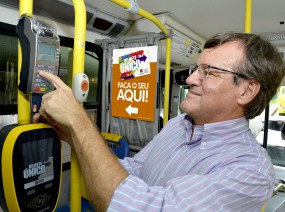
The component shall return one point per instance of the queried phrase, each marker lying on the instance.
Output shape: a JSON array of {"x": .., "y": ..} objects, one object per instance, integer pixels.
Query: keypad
[{"x": 40, "y": 84}]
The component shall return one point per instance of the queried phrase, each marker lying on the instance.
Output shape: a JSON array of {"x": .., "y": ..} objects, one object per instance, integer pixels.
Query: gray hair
[{"x": 262, "y": 63}]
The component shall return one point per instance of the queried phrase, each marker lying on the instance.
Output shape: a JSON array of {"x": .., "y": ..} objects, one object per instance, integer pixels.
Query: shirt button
[
  {"x": 204, "y": 143},
  {"x": 185, "y": 146},
  {"x": 162, "y": 176}
]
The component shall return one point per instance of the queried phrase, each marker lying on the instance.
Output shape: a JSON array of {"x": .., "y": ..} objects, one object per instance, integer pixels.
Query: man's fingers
[{"x": 55, "y": 80}]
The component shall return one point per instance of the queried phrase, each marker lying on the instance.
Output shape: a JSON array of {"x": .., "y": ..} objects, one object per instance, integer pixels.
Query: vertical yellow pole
[
  {"x": 167, "y": 80},
  {"x": 247, "y": 18},
  {"x": 25, "y": 6},
  {"x": 78, "y": 67},
  {"x": 247, "y": 29}
]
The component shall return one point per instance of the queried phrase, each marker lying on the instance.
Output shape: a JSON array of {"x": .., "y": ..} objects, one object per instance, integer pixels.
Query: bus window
[
  {"x": 276, "y": 122},
  {"x": 8, "y": 69},
  {"x": 92, "y": 71},
  {"x": 92, "y": 68}
]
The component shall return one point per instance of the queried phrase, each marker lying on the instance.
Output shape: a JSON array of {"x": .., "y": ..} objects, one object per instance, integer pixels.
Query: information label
[{"x": 134, "y": 83}]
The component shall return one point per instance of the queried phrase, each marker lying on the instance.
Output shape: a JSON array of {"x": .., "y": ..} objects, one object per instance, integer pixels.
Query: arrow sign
[
  {"x": 142, "y": 58},
  {"x": 134, "y": 83},
  {"x": 131, "y": 110}
]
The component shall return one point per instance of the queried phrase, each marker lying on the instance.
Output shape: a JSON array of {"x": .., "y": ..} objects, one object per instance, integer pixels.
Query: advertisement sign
[{"x": 134, "y": 83}]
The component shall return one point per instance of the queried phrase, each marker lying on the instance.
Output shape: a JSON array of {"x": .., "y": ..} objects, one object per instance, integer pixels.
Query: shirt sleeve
[{"x": 230, "y": 188}]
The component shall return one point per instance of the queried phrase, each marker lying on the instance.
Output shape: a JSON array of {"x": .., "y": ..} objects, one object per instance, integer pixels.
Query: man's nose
[{"x": 194, "y": 78}]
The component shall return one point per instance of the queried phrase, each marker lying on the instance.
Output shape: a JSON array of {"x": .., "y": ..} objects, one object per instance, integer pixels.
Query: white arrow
[{"x": 131, "y": 110}]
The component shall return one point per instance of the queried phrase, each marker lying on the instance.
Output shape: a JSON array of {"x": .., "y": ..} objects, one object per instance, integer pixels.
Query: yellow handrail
[
  {"x": 157, "y": 22},
  {"x": 247, "y": 19},
  {"x": 125, "y": 4},
  {"x": 78, "y": 67},
  {"x": 247, "y": 29},
  {"x": 167, "y": 80},
  {"x": 25, "y": 7}
]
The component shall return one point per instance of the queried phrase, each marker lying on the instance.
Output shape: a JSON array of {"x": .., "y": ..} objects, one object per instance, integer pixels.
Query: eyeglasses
[{"x": 205, "y": 71}]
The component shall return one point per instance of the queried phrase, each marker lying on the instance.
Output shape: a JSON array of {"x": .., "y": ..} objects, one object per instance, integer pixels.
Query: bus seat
[{"x": 117, "y": 143}]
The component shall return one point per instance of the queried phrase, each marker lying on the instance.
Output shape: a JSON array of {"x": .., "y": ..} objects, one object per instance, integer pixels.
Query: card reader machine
[
  {"x": 30, "y": 154},
  {"x": 40, "y": 52}
]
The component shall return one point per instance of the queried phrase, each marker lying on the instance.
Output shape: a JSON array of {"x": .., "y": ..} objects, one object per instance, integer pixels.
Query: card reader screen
[
  {"x": 38, "y": 162},
  {"x": 46, "y": 52}
]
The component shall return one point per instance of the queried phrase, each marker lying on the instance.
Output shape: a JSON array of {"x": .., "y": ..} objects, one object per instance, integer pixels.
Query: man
[{"x": 204, "y": 160}]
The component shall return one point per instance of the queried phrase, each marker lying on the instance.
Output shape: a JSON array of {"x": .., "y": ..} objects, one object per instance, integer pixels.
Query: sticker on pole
[{"x": 134, "y": 83}]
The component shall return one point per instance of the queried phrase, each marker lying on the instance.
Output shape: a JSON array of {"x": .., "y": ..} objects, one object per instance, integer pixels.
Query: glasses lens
[{"x": 204, "y": 70}]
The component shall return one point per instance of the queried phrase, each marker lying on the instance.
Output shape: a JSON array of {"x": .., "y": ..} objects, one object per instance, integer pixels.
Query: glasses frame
[{"x": 196, "y": 67}]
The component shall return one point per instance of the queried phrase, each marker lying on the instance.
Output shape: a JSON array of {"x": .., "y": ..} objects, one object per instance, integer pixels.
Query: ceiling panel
[{"x": 207, "y": 17}]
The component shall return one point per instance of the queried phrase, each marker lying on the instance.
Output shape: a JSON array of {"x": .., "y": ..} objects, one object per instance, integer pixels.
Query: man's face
[{"x": 215, "y": 98}]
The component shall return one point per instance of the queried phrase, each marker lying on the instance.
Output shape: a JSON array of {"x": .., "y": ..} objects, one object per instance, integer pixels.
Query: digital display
[
  {"x": 46, "y": 52},
  {"x": 37, "y": 162}
]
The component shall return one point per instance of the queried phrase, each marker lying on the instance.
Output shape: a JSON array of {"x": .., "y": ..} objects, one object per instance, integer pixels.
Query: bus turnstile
[{"x": 30, "y": 167}]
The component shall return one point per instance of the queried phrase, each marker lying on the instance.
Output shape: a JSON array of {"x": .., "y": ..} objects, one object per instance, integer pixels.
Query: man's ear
[{"x": 249, "y": 92}]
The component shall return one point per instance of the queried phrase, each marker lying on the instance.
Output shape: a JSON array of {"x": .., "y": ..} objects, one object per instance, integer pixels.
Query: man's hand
[{"x": 60, "y": 108}]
